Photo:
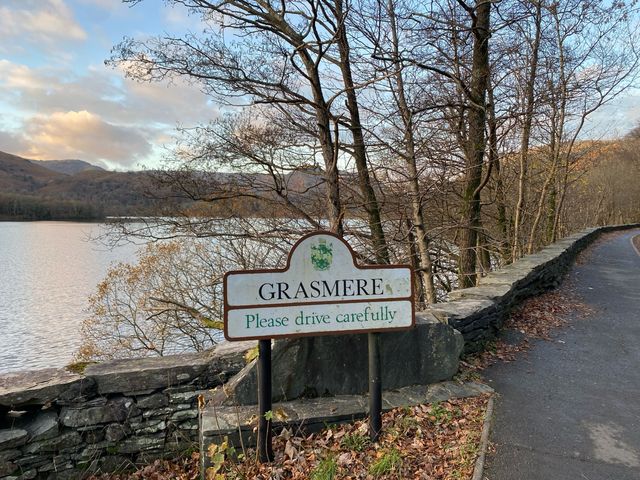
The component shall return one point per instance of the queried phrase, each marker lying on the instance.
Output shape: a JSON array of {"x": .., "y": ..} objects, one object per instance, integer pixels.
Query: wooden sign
[{"x": 321, "y": 291}]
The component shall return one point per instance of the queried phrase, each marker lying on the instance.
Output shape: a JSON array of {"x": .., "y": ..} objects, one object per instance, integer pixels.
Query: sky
[{"x": 58, "y": 100}]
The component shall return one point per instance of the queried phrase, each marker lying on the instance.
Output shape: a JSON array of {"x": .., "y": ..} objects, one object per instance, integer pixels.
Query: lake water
[{"x": 47, "y": 272}]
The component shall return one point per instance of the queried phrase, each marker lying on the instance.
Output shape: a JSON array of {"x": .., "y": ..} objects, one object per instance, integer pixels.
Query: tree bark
[
  {"x": 371, "y": 204},
  {"x": 550, "y": 178},
  {"x": 526, "y": 133},
  {"x": 422, "y": 240},
  {"x": 494, "y": 160},
  {"x": 475, "y": 145}
]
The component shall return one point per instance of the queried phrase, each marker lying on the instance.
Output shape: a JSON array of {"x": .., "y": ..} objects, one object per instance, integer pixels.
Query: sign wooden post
[
  {"x": 265, "y": 443},
  {"x": 321, "y": 291},
  {"x": 375, "y": 387}
]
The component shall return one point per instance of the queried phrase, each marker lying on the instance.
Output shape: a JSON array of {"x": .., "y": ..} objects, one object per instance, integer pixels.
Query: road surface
[{"x": 570, "y": 408}]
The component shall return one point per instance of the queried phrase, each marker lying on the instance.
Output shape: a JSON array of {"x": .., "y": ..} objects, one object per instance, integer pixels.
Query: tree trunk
[
  {"x": 329, "y": 150},
  {"x": 415, "y": 264},
  {"x": 422, "y": 240},
  {"x": 526, "y": 134},
  {"x": 563, "y": 192},
  {"x": 551, "y": 213},
  {"x": 551, "y": 178},
  {"x": 484, "y": 257},
  {"x": 476, "y": 143},
  {"x": 371, "y": 204},
  {"x": 494, "y": 160}
]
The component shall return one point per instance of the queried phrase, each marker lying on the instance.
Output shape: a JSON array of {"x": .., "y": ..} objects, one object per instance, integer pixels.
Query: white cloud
[
  {"x": 14, "y": 76},
  {"x": 95, "y": 116},
  {"x": 38, "y": 21},
  {"x": 77, "y": 134},
  {"x": 104, "y": 92},
  {"x": 616, "y": 118},
  {"x": 13, "y": 142},
  {"x": 85, "y": 135},
  {"x": 176, "y": 16}
]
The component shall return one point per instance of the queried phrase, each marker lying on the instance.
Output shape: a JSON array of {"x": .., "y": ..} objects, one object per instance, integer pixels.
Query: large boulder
[{"x": 337, "y": 365}]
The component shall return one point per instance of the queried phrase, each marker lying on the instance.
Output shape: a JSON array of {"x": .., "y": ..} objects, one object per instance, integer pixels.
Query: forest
[
  {"x": 453, "y": 135},
  {"x": 25, "y": 207}
]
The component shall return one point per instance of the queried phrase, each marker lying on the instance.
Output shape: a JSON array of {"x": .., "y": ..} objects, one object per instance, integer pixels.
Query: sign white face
[{"x": 321, "y": 291}]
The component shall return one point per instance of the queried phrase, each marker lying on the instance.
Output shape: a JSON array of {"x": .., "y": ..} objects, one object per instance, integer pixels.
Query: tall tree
[
  {"x": 527, "y": 119},
  {"x": 476, "y": 142}
]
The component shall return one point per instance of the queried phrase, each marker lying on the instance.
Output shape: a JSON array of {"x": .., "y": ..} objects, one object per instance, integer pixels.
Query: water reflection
[{"x": 47, "y": 271}]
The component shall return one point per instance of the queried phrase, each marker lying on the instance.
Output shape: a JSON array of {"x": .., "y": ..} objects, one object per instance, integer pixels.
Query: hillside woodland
[{"x": 69, "y": 189}]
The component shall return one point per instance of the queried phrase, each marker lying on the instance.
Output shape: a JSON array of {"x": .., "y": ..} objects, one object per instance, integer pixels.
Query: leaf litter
[
  {"x": 437, "y": 441},
  {"x": 536, "y": 318}
]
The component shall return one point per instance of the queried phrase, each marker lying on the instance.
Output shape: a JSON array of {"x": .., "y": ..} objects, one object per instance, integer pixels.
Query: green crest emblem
[{"x": 321, "y": 255}]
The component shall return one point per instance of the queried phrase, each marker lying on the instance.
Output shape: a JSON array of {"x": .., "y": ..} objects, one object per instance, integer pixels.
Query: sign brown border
[{"x": 410, "y": 298}]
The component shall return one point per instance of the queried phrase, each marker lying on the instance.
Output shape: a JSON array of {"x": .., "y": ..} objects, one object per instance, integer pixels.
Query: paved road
[{"x": 570, "y": 409}]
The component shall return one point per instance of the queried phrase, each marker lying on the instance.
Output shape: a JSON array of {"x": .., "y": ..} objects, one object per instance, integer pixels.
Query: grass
[
  {"x": 355, "y": 441},
  {"x": 438, "y": 414},
  {"x": 325, "y": 470},
  {"x": 389, "y": 462}
]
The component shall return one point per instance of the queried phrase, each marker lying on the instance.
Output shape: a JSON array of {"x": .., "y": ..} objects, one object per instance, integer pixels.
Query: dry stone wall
[
  {"x": 479, "y": 312},
  {"x": 58, "y": 424}
]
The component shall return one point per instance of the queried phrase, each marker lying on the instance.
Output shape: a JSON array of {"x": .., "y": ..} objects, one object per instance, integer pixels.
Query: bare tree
[
  {"x": 591, "y": 62},
  {"x": 528, "y": 92}
]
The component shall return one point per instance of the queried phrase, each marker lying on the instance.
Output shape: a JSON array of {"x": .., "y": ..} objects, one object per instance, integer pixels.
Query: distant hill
[
  {"x": 68, "y": 167},
  {"x": 22, "y": 176},
  {"x": 74, "y": 189},
  {"x": 52, "y": 189}
]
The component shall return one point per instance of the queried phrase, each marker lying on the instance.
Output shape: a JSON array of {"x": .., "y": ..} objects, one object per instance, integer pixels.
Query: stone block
[
  {"x": 115, "y": 463},
  {"x": 94, "y": 450},
  {"x": 116, "y": 432},
  {"x": 141, "y": 444},
  {"x": 12, "y": 437},
  {"x": 337, "y": 365},
  {"x": 116, "y": 410},
  {"x": 40, "y": 387},
  {"x": 187, "y": 397},
  {"x": 58, "y": 464},
  {"x": 141, "y": 374},
  {"x": 150, "y": 426},
  {"x": 156, "y": 400},
  {"x": 7, "y": 467},
  {"x": 7, "y": 455},
  {"x": 148, "y": 374},
  {"x": 184, "y": 415},
  {"x": 159, "y": 412},
  {"x": 28, "y": 474},
  {"x": 188, "y": 425},
  {"x": 28, "y": 461},
  {"x": 492, "y": 293},
  {"x": 94, "y": 435},
  {"x": 477, "y": 319},
  {"x": 62, "y": 442},
  {"x": 69, "y": 474},
  {"x": 41, "y": 427}
]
